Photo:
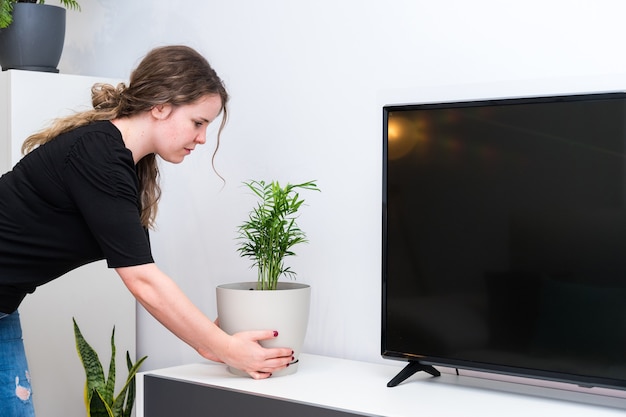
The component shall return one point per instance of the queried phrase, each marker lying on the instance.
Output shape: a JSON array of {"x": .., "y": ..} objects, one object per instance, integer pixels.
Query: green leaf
[
  {"x": 91, "y": 364},
  {"x": 110, "y": 385},
  {"x": 99, "y": 399},
  {"x": 98, "y": 406},
  {"x": 6, "y": 13},
  {"x": 130, "y": 399},
  {"x": 271, "y": 231},
  {"x": 129, "y": 386},
  {"x": 70, "y": 4}
]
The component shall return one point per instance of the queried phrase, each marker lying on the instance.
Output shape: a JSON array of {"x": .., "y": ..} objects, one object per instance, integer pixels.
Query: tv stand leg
[{"x": 410, "y": 369}]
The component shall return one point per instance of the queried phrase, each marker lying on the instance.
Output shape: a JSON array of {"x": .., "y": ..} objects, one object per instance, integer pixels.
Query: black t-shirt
[{"x": 71, "y": 201}]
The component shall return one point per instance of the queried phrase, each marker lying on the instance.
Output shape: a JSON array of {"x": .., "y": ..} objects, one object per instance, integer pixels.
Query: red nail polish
[{"x": 275, "y": 333}]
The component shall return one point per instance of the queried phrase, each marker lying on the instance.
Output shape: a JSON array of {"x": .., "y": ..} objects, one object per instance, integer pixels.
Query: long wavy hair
[{"x": 175, "y": 75}]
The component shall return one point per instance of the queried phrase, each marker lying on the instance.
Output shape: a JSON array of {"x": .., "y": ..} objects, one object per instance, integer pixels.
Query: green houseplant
[
  {"x": 270, "y": 232},
  {"x": 99, "y": 398},
  {"x": 267, "y": 237},
  {"x": 32, "y": 34}
]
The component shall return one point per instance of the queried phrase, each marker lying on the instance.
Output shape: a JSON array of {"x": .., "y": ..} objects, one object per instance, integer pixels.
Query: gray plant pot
[
  {"x": 240, "y": 307},
  {"x": 34, "y": 41}
]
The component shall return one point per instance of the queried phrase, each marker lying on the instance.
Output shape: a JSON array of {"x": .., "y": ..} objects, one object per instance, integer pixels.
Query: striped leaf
[
  {"x": 98, "y": 406},
  {"x": 91, "y": 364},
  {"x": 99, "y": 398}
]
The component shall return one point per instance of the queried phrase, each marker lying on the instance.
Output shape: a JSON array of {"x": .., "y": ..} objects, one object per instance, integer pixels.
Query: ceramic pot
[
  {"x": 34, "y": 40},
  {"x": 241, "y": 307}
]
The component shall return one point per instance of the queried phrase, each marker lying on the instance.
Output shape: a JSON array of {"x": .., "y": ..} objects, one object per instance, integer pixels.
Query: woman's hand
[{"x": 243, "y": 352}]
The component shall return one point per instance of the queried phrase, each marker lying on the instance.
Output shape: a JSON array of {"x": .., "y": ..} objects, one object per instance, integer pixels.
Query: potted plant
[
  {"x": 99, "y": 398},
  {"x": 32, "y": 34},
  {"x": 267, "y": 237}
]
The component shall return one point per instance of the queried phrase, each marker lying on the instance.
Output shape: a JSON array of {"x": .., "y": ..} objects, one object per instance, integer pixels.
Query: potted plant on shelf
[
  {"x": 267, "y": 238},
  {"x": 32, "y": 34},
  {"x": 99, "y": 398}
]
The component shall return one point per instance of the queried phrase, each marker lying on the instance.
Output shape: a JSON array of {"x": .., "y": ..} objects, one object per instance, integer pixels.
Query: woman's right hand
[{"x": 243, "y": 352}]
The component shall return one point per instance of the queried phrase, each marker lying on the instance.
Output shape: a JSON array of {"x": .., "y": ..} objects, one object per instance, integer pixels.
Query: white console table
[{"x": 331, "y": 387}]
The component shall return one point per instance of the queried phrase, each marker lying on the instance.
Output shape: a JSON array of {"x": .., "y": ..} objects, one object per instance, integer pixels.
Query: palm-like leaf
[
  {"x": 271, "y": 230},
  {"x": 6, "y": 13},
  {"x": 70, "y": 4}
]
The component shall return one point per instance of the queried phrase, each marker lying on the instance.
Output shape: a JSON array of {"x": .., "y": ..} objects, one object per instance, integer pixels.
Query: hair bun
[{"x": 105, "y": 96}]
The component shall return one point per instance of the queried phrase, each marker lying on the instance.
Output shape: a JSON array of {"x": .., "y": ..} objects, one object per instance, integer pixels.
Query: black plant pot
[{"x": 34, "y": 41}]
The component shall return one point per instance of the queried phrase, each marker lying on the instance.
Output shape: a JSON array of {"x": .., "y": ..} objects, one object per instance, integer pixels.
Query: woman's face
[{"x": 180, "y": 129}]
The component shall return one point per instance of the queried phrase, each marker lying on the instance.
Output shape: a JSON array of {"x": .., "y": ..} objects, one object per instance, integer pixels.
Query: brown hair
[{"x": 175, "y": 75}]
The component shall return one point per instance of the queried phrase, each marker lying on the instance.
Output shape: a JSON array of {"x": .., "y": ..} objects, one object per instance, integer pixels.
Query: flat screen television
[{"x": 504, "y": 237}]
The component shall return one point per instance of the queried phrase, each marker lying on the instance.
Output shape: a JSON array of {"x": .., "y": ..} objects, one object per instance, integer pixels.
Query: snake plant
[
  {"x": 6, "y": 9},
  {"x": 270, "y": 232},
  {"x": 99, "y": 398}
]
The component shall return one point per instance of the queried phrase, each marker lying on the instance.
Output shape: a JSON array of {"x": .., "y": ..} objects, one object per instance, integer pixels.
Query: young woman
[{"x": 87, "y": 189}]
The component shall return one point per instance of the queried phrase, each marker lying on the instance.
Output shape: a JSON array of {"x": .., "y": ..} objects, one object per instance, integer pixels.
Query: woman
[{"x": 87, "y": 189}]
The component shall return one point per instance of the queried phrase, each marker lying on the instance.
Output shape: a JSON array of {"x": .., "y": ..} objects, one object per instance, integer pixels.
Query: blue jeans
[{"x": 15, "y": 390}]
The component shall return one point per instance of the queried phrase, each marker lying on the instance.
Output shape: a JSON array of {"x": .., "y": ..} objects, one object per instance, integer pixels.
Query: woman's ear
[{"x": 161, "y": 111}]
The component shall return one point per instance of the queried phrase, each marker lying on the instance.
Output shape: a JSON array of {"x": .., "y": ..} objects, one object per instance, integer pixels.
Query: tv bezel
[{"x": 419, "y": 362}]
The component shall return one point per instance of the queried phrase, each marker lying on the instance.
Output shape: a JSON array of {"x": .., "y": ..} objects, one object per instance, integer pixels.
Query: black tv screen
[{"x": 504, "y": 237}]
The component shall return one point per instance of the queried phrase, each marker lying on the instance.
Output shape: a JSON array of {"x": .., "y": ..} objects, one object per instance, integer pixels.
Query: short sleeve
[{"x": 100, "y": 175}]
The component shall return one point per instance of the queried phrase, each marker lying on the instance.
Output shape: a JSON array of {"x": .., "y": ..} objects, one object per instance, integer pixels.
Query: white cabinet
[
  {"x": 333, "y": 387},
  {"x": 93, "y": 294}
]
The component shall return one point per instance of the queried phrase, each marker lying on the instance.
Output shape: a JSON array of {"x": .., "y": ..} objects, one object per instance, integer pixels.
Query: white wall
[{"x": 308, "y": 80}]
